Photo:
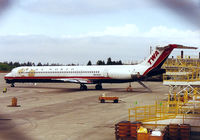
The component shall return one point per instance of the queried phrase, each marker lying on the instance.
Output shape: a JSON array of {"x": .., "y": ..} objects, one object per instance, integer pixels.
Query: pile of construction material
[
  {"x": 126, "y": 130},
  {"x": 177, "y": 132}
]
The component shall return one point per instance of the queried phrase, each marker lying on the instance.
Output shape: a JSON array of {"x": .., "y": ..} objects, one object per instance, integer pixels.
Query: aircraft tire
[
  {"x": 83, "y": 87},
  {"x": 12, "y": 85},
  {"x": 116, "y": 101},
  {"x": 102, "y": 101},
  {"x": 98, "y": 87}
]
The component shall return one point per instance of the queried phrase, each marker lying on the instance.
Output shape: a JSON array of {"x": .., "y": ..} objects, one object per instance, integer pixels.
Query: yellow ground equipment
[
  {"x": 180, "y": 107},
  {"x": 4, "y": 90}
]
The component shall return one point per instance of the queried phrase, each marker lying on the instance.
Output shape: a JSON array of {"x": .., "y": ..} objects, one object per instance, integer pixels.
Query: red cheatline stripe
[{"x": 47, "y": 77}]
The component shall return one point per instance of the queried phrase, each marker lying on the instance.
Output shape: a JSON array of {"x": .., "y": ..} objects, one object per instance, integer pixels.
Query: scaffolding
[
  {"x": 159, "y": 111},
  {"x": 182, "y": 74},
  {"x": 162, "y": 110},
  {"x": 179, "y": 62},
  {"x": 183, "y": 78}
]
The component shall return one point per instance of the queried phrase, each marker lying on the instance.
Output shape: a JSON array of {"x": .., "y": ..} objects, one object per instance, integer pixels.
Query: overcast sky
[{"x": 76, "y": 31}]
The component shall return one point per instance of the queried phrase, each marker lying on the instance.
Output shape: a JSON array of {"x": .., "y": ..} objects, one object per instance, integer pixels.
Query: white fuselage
[{"x": 69, "y": 73}]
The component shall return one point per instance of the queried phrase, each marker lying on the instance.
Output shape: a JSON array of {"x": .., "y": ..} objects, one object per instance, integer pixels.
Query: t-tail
[{"x": 157, "y": 58}]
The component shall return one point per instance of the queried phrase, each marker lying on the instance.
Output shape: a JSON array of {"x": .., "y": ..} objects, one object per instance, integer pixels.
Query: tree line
[
  {"x": 109, "y": 62},
  {"x": 8, "y": 66}
]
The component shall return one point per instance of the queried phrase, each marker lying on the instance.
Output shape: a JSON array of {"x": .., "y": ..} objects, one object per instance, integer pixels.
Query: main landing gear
[
  {"x": 98, "y": 87},
  {"x": 83, "y": 87},
  {"x": 12, "y": 85}
]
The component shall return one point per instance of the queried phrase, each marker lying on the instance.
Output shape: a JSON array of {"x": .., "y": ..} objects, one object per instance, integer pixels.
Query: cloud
[
  {"x": 126, "y": 43},
  {"x": 164, "y": 32},
  {"x": 126, "y": 30},
  {"x": 65, "y": 50},
  {"x": 131, "y": 30},
  {"x": 79, "y": 7}
]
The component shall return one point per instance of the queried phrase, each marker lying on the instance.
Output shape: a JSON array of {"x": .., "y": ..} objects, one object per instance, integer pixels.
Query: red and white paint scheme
[{"x": 94, "y": 74}]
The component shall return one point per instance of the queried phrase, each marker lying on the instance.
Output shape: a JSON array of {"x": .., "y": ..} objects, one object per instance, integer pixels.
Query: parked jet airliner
[{"x": 94, "y": 74}]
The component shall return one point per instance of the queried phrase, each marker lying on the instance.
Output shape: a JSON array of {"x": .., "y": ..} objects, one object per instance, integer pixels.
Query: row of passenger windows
[
  {"x": 62, "y": 72},
  {"x": 49, "y": 69}
]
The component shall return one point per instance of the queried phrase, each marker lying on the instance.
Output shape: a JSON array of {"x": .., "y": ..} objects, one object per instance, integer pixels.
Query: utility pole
[{"x": 151, "y": 50}]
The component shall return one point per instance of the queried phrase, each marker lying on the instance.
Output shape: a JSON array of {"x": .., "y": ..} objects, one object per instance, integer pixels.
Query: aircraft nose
[{"x": 8, "y": 74}]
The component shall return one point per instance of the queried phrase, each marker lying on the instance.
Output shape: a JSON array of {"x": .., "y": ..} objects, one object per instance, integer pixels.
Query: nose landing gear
[{"x": 12, "y": 85}]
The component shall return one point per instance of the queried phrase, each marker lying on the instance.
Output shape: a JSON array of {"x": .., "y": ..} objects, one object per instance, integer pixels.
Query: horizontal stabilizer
[{"x": 176, "y": 46}]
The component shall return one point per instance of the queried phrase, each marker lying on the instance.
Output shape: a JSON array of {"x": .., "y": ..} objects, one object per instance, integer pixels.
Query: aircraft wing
[{"x": 75, "y": 80}]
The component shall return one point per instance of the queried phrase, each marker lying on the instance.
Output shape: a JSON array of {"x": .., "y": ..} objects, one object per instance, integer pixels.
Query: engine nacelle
[{"x": 119, "y": 74}]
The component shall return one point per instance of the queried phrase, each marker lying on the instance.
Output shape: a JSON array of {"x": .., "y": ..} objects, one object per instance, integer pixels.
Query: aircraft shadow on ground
[
  {"x": 64, "y": 90},
  {"x": 10, "y": 131}
]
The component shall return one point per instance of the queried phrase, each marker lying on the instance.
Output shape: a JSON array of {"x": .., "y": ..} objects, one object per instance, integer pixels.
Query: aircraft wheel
[
  {"x": 98, "y": 87},
  {"x": 12, "y": 85},
  {"x": 102, "y": 101},
  {"x": 115, "y": 101},
  {"x": 83, "y": 87}
]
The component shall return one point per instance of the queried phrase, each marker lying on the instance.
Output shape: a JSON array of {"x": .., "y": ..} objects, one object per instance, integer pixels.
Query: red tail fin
[{"x": 159, "y": 56}]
